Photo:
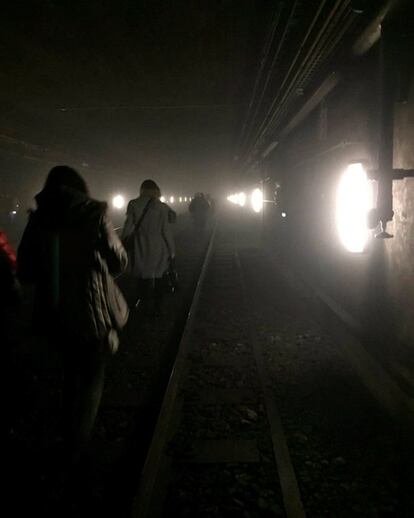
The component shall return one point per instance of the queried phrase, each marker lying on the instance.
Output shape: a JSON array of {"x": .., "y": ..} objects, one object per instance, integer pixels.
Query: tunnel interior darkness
[{"x": 224, "y": 97}]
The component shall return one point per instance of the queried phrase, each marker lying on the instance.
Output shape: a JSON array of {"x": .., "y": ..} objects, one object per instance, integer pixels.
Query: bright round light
[
  {"x": 283, "y": 214},
  {"x": 118, "y": 202},
  {"x": 256, "y": 200},
  {"x": 171, "y": 199},
  {"x": 354, "y": 198},
  {"x": 180, "y": 199},
  {"x": 242, "y": 199},
  {"x": 185, "y": 198},
  {"x": 162, "y": 199}
]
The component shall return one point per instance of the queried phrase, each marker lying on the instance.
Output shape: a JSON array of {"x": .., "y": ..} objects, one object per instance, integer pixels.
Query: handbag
[
  {"x": 117, "y": 308},
  {"x": 170, "y": 277},
  {"x": 111, "y": 298}
]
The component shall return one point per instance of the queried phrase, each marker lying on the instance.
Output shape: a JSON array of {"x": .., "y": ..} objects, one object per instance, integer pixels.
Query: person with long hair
[
  {"x": 70, "y": 251},
  {"x": 148, "y": 230}
]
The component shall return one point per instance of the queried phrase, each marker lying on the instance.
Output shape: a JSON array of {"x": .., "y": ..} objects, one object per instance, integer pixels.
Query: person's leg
[
  {"x": 92, "y": 378},
  {"x": 71, "y": 397},
  {"x": 158, "y": 296},
  {"x": 139, "y": 292},
  {"x": 148, "y": 295},
  {"x": 84, "y": 382}
]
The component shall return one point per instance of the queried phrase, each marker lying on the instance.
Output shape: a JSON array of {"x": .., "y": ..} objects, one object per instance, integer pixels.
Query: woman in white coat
[{"x": 149, "y": 232}]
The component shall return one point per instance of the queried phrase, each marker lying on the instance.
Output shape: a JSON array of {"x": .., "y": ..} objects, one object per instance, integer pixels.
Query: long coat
[
  {"x": 153, "y": 242},
  {"x": 70, "y": 251}
]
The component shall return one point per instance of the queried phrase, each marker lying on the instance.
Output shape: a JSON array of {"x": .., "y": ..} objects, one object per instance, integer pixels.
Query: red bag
[{"x": 7, "y": 251}]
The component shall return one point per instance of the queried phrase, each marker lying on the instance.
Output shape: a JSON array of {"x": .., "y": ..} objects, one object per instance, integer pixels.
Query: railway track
[
  {"x": 249, "y": 340},
  {"x": 219, "y": 448}
]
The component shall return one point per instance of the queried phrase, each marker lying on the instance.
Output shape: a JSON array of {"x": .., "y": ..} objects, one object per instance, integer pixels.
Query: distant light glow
[
  {"x": 354, "y": 198},
  {"x": 237, "y": 199},
  {"x": 180, "y": 199},
  {"x": 118, "y": 202},
  {"x": 185, "y": 198},
  {"x": 283, "y": 214},
  {"x": 256, "y": 200},
  {"x": 162, "y": 199},
  {"x": 14, "y": 212},
  {"x": 242, "y": 199},
  {"x": 171, "y": 199}
]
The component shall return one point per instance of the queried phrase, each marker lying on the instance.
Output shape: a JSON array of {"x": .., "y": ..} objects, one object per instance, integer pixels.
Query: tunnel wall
[{"x": 376, "y": 287}]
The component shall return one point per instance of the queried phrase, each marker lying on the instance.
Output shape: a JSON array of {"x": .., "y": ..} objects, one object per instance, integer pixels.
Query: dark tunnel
[{"x": 207, "y": 257}]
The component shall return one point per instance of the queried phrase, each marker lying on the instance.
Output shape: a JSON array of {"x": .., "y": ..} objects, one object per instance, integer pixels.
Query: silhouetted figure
[
  {"x": 172, "y": 215},
  {"x": 70, "y": 251},
  {"x": 199, "y": 209},
  {"x": 212, "y": 202},
  {"x": 151, "y": 246}
]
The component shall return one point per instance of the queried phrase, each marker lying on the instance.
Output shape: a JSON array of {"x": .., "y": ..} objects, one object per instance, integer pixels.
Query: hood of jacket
[{"x": 65, "y": 207}]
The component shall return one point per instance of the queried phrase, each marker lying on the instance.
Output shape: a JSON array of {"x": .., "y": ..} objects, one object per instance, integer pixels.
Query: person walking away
[
  {"x": 151, "y": 246},
  {"x": 70, "y": 251},
  {"x": 212, "y": 203},
  {"x": 199, "y": 209}
]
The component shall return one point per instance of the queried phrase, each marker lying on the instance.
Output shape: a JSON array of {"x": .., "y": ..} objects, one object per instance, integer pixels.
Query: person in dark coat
[
  {"x": 148, "y": 225},
  {"x": 70, "y": 251},
  {"x": 199, "y": 209}
]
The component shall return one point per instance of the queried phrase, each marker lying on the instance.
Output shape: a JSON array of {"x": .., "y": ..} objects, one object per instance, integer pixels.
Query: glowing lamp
[
  {"x": 242, "y": 199},
  {"x": 256, "y": 200},
  {"x": 118, "y": 202},
  {"x": 354, "y": 200}
]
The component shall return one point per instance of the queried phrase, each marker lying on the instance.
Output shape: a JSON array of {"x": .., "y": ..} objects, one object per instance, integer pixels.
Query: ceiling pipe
[
  {"x": 322, "y": 91},
  {"x": 372, "y": 33}
]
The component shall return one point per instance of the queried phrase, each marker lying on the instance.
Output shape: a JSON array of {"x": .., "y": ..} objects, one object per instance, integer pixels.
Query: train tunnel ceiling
[
  {"x": 159, "y": 86},
  {"x": 305, "y": 41}
]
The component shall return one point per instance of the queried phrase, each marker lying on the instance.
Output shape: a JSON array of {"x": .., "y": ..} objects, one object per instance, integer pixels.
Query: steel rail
[
  {"x": 288, "y": 482},
  {"x": 144, "y": 503}
]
